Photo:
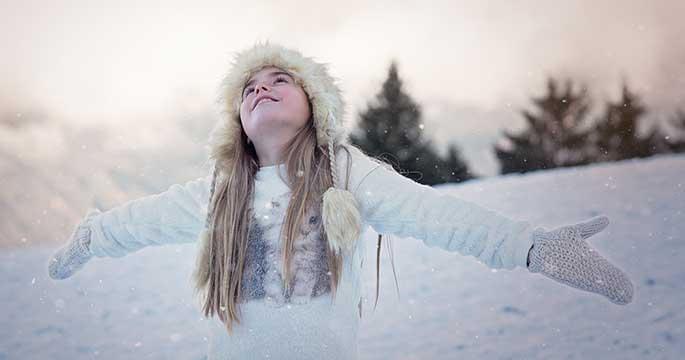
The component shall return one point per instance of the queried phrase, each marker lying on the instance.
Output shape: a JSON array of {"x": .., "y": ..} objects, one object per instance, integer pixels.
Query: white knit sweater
[{"x": 307, "y": 324}]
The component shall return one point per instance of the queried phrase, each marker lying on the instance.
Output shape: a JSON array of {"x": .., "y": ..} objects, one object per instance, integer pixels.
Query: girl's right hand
[{"x": 76, "y": 253}]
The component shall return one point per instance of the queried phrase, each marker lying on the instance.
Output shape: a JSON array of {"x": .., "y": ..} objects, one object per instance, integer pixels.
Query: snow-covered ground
[{"x": 450, "y": 306}]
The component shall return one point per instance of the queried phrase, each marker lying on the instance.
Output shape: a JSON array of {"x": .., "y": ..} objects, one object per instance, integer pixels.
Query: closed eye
[
  {"x": 247, "y": 91},
  {"x": 250, "y": 89}
]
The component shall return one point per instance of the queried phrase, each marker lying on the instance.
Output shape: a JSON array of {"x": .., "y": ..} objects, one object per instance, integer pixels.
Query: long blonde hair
[{"x": 221, "y": 260}]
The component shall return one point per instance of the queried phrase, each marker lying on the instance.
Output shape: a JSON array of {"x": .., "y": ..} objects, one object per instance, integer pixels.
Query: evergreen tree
[
  {"x": 455, "y": 169},
  {"x": 553, "y": 137},
  {"x": 392, "y": 126},
  {"x": 616, "y": 137}
]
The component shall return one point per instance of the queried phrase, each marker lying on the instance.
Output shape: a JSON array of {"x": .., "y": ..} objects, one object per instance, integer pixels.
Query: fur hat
[{"x": 340, "y": 213}]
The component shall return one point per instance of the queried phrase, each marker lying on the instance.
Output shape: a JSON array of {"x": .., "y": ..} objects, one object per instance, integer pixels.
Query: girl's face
[{"x": 274, "y": 107}]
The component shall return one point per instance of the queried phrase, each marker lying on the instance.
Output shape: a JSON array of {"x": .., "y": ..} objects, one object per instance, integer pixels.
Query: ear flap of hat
[{"x": 340, "y": 212}]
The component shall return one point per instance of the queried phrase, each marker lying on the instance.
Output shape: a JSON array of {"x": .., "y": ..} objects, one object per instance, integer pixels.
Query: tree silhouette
[
  {"x": 392, "y": 126},
  {"x": 615, "y": 136},
  {"x": 553, "y": 137}
]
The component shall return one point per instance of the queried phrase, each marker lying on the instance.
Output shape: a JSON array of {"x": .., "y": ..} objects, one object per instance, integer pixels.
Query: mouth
[{"x": 264, "y": 99}]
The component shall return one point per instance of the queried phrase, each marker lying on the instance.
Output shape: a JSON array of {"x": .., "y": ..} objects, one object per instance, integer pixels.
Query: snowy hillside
[{"x": 450, "y": 306}]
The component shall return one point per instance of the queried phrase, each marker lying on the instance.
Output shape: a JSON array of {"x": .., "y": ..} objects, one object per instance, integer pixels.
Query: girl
[{"x": 280, "y": 216}]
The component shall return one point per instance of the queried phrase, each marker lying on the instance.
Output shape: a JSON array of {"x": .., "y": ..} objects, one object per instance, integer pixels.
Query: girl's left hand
[{"x": 564, "y": 256}]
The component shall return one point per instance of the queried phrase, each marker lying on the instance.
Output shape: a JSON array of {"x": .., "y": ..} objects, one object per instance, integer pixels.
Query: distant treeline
[{"x": 560, "y": 132}]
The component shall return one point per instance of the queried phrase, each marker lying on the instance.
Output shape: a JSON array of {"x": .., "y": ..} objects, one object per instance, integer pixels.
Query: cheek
[
  {"x": 244, "y": 113},
  {"x": 245, "y": 119},
  {"x": 303, "y": 106}
]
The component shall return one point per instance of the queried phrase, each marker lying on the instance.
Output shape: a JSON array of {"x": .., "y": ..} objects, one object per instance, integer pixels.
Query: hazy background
[
  {"x": 102, "y": 102},
  {"x": 471, "y": 64}
]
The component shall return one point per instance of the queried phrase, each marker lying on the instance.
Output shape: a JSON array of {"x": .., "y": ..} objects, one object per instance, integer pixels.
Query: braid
[{"x": 331, "y": 157}]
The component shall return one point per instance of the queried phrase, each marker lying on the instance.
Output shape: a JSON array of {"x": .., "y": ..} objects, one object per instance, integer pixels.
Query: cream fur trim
[{"x": 341, "y": 220}]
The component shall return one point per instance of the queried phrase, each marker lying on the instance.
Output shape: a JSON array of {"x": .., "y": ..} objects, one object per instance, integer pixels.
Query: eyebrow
[{"x": 272, "y": 73}]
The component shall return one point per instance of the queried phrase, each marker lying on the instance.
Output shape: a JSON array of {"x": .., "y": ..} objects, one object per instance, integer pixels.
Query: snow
[{"x": 450, "y": 306}]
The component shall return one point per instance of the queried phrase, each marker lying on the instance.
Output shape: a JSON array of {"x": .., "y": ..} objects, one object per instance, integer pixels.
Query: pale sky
[{"x": 472, "y": 65}]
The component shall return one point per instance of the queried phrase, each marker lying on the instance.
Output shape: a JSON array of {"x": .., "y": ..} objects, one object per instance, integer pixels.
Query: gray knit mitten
[
  {"x": 563, "y": 255},
  {"x": 76, "y": 253}
]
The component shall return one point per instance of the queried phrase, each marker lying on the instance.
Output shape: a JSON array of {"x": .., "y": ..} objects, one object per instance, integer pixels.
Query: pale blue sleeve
[
  {"x": 394, "y": 204},
  {"x": 174, "y": 216}
]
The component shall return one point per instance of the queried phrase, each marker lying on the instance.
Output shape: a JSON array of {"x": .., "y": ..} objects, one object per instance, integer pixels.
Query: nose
[{"x": 261, "y": 87}]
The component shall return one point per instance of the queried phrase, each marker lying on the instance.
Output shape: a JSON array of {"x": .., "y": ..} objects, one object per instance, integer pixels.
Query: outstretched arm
[
  {"x": 174, "y": 216},
  {"x": 392, "y": 203}
]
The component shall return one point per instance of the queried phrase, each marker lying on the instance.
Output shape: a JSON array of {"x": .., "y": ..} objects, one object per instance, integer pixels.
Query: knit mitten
[
  {"x": 563, "y": 255},
  {"x": 76, "y": 253}
]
